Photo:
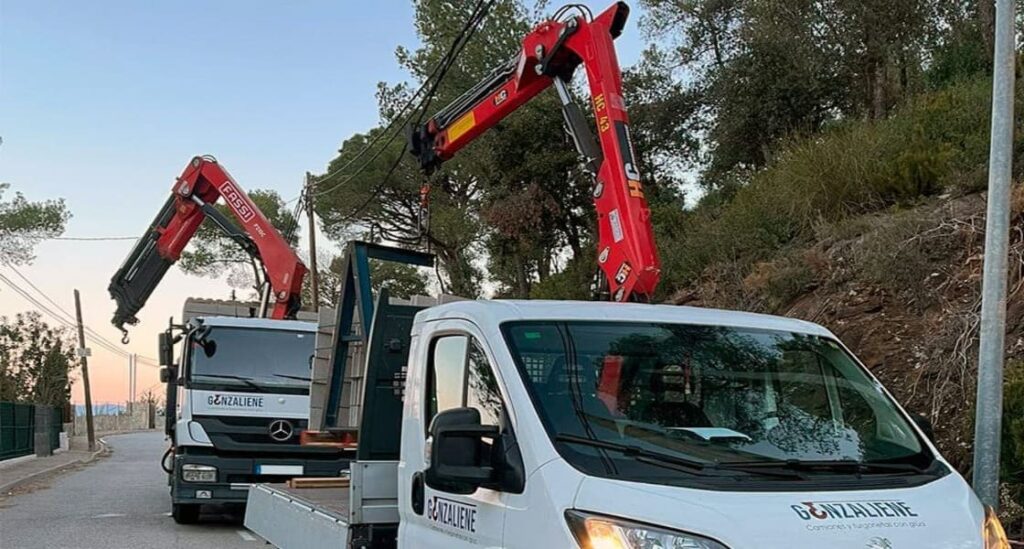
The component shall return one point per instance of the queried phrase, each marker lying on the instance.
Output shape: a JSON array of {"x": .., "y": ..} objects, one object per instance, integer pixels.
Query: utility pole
[
  {"x": 314, "y": 273},
  {"x": 131, "y": 383},
  {"x": 989, "y": 404},
  {"x": 83, "y": 353}
]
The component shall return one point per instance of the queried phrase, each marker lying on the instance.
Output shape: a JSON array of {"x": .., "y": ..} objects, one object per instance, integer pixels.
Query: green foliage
[
  {"x": 517, "y": 195},
  {"x": 769, "y": 70},
  {"x": 1011, "y": 461},
  {"x": 937, "y": 143},
  {"x": 23, "y": 224},
  {"x": 36, "y": 361},
  {"x": 212, "y": 254},
  {"x": 574, "y": 282},
  {"x": 402, "y": 281}
]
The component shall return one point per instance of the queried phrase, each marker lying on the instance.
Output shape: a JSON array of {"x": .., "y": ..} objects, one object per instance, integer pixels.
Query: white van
[{"x": 540, "y": 424}]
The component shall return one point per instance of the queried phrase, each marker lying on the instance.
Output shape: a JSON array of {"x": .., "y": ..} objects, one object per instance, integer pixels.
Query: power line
[
  {"x": 91, "y": 334},
  {"x": 430, "y": 83},
  {"x": 71, "y": 318},
  {"x": 49, "y": 312}
]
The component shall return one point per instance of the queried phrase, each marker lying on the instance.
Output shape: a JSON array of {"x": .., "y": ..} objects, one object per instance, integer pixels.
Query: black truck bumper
[{"x": 236, "y": 473}]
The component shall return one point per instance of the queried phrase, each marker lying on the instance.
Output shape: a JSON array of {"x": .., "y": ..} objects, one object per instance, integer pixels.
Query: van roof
[
  {"x": 259, "y": 323},
  {"x": 491, "y": 313}
]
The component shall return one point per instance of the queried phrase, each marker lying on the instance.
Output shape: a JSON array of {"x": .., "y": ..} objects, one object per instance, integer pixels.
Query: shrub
[
  {"x": 1012, "y": 454},
  {"x": 936, "y": 143}
]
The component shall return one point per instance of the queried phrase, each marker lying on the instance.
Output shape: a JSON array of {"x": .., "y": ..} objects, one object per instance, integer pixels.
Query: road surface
[{"x": 117, "y": 502}]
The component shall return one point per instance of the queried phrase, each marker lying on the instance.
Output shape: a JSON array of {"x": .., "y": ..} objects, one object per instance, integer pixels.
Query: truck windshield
[
  {"x": 721, "y": 396},
  {"x": 251, "y": 356}
]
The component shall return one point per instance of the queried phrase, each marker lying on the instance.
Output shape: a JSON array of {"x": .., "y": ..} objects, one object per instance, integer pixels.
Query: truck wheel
[{"x": 185, "y": 513}]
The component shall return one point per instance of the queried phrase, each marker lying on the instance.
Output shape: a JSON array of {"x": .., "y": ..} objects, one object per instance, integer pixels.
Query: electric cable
[
  {"x": 471, "y": 26},
  {"x": 432, "y": 80},
  {"x": 66, "y": 318}
]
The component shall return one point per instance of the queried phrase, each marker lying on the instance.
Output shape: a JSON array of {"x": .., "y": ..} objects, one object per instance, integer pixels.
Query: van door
[{"x": 458, "y": 373}]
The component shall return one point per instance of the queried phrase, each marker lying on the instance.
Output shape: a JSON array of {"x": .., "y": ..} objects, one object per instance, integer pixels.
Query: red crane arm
[
  {"x": 200, "y": 185},
  {"x": 549, "y": 55}
]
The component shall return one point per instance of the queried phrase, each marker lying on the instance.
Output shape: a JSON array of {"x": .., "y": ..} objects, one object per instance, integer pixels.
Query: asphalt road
[{"x": 120, "y": 501}]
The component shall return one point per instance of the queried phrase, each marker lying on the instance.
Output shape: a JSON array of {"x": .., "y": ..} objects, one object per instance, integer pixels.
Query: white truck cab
[
  {"x": 241, "y": 390},
  {"x": 602, "y": 425}
]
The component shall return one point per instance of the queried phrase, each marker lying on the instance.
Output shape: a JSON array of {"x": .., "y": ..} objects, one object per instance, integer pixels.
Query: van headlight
[
  {"x": 992, "y": 531},
  {"x": 192, "y": 472},
  {"x": 601, "y": 532}
]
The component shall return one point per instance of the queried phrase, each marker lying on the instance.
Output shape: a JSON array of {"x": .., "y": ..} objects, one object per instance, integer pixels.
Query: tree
[
  {"x": 402, "y": 281},
  {"x": 212, "y": 254},
  {"x": 23, "y": 224},
  {"x": 517, "y": 196},
  {"x": 770, "y": 69},
  {"x": 36, "y": 361}
]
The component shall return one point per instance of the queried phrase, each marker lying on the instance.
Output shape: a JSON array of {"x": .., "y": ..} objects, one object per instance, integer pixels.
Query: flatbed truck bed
[
  {"x": 328, "y": 518},
  {"x": 299, "y": 517}
]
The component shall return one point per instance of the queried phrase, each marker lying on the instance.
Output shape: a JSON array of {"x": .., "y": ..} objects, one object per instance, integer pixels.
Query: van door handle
[{"x": 418, "y": 493}]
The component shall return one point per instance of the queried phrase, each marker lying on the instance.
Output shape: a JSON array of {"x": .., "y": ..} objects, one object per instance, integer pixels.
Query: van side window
[
  {"x": 445, "y": 376},
  {"x": 482, "y": 387}
]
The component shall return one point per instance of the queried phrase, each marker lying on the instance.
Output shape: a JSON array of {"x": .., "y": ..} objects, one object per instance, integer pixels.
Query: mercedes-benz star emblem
[{"x": 281, "y": 430}]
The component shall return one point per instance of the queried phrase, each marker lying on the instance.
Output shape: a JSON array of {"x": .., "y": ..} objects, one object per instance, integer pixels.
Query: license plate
[{"x": 294, "y": 470}]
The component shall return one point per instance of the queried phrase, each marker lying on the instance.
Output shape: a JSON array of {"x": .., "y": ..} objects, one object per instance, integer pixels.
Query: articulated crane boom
[
  {"x": 549, "y": 55},
  {"x": 192, "y": 201}
]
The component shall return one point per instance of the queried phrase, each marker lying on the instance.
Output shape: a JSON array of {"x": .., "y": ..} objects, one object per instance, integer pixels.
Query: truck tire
[{"x": 185, "y": 513}]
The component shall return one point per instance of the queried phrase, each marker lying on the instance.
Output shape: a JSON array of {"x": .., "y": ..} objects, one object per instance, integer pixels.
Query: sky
[{"x": 103, "y": 103}]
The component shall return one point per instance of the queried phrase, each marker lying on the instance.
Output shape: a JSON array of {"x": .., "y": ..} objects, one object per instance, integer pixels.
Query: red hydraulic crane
[
  {"x": 549, "y": 55},
  {"x": 192, "y": 200}
]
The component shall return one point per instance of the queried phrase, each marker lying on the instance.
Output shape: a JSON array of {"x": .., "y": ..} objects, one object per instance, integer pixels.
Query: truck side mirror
[
  {"x": 459, "y": 457},
  {"x": 925, "y": 425},
  {"x": 166, "y": 374},
  {"x": 166, "y": 350}
]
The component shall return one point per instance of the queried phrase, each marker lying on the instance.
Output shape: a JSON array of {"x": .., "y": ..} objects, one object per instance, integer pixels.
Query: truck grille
[{"x": 241, "y": 433}]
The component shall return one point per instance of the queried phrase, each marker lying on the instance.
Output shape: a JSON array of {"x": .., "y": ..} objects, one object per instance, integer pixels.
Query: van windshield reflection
[{"x": 714, "y": 394}]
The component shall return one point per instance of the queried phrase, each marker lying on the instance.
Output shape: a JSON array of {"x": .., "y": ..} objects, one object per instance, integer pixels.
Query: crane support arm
[
  {"x": 192, "y": 200},
  {"x": 548, "y": 56}
]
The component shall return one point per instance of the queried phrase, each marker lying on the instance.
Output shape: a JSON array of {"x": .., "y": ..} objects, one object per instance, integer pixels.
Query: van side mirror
[
  {"x": 460, "y": 460},
  {"x": 166, "y": 350},
  {"x": 925, "y": 425}
]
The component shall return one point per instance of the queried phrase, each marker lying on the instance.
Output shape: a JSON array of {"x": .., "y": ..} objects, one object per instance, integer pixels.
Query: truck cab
[
  {"x": 241, "y": 388},
  {"x": 596, "y": 425}
]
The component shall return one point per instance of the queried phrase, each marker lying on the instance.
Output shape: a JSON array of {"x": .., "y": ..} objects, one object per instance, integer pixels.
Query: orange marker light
[{"x": 604, "y": 535}]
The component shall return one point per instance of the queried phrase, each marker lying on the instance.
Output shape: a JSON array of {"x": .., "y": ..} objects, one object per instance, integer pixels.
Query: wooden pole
[
  {"x": 83, "y": 353},
  {"x": 313, "y": 272}
]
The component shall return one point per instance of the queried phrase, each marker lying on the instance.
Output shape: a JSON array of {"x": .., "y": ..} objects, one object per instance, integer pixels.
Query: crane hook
[{"x": 124, "y": 336}]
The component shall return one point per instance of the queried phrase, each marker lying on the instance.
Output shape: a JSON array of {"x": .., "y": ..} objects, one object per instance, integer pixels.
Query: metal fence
[{"x": 18, "y": 429}]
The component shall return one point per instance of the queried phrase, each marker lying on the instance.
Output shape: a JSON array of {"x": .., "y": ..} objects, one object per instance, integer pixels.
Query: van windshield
[
  {"x": 708, "y": 394},
  {"x": 229, "y": 356}
]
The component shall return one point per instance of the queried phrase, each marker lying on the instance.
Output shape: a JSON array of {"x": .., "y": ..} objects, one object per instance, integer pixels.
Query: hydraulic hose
[{"x": 163, "y": 461}]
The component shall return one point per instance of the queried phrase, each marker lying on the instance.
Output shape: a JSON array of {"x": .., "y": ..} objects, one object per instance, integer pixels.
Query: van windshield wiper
[
  {"x": 246, "y": 380},
  {"x": 633, "y": 450},
  {"x": 836, "y": 466},
  {"x": 651, "y": 457},
  {"x": 286, "y": 376}
]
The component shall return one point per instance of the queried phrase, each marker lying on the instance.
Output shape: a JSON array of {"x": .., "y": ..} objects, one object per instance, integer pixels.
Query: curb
[{"x": 8, "y": 487}]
